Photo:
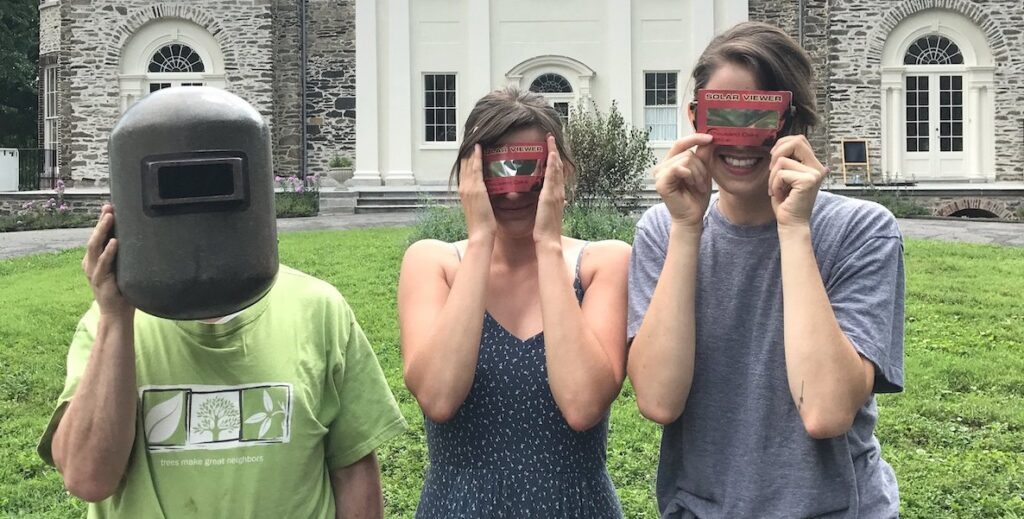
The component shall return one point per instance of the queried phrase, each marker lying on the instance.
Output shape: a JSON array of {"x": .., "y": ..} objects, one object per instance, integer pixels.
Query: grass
[{"x": 955, "y": 437}]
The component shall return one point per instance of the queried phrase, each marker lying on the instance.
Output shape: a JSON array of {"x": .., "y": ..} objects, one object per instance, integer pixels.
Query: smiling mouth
[
  {"x": 740, "y": 162},
  {"x": 518, "y": 208}
]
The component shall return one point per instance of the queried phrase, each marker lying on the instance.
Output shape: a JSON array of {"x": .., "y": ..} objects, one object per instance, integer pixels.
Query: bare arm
[
  {"x": 585, "y": 347},
  {"x": 661, "y": 355},
  {"x": 357, "y": 492},
  {"x": 828, "y": 379},
  {"x": 94, "y": 439},
  {"x": 441, "y": 325}
]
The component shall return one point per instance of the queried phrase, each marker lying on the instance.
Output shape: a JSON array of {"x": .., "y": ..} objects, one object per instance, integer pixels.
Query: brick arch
[
  {"x": 134, "y": 20},
  {"x": 973, "y": 11},
  {"x": 995, "y": 207}
]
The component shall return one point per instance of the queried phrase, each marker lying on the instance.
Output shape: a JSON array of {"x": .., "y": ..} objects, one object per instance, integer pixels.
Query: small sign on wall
[
  {"x": 8, "y": 169},
  {"x": 855, "y": 153}
]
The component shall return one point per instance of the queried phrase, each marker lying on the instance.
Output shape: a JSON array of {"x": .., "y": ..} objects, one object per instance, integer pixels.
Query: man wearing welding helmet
[
  {"x": 764, "y": 320},
  {"x": 207, "y": 380}
]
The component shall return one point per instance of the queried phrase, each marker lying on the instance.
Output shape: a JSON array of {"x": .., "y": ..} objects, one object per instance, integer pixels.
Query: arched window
[
  {"x": 557, "y": 90},
  {"x": 551, "y": 84},
  {"x": 933, "y": 50},
  {"x": 176, "y": 57},
  {"x": 169, "y": 52}
]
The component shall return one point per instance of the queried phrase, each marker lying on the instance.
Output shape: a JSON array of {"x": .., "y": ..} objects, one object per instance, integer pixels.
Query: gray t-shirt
[{"x": 740, "y": 449}]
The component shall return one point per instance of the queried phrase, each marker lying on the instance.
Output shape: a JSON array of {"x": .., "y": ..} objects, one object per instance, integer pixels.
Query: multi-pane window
[
  {"x": 951, "y": 113},
  {"x": 917, "y": 113},
  {"x": 551, "y": 84},
  {"x": 50, "y": 116},
  {"x": 439, "y": 107},
  {"x": 557, "y": 90},
  {"x": 661, "y": 105},
  {"x": 933, "y": 50},
  {"x": 176, "y": 57},
  {"x": 562, "y": 107}
]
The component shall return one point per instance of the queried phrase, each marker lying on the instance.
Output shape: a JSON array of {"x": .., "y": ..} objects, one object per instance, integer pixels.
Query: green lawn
[{"x": 956, "y": 437}]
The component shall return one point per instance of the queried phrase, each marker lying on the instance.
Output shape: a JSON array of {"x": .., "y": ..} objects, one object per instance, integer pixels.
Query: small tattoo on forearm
[{"x": 800, "y": 404}]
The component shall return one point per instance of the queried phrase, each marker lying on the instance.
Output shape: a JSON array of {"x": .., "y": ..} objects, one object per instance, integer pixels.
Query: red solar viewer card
[
  {"x": 742, "y": 117},
  {"x": 514, "y": 167}
]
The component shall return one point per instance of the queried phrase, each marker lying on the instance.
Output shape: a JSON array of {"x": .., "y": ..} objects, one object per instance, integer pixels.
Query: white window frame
[
  {"x": 135, "y": 79},
  {"x": 445, "y": 144},
  {"x": 663, "y": 108},
  {"x": 51, "y": 116}
]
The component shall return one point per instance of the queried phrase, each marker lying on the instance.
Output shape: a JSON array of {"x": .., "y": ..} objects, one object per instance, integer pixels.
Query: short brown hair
[
  {"x": 775, "y": 60},
  {"x": 507, "y": 110}
]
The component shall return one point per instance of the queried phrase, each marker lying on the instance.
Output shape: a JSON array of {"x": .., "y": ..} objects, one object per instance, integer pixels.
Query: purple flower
[{"x": 298, "y": 188}]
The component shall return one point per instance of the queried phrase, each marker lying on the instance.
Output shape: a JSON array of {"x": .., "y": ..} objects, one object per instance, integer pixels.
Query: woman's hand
[
  {"x": 683, "y": 181},
  {"x": 98, "y": 265},
  {"x": 794, "y": 180},
  {"x": 476, "y": 205},
  {"x": 547, "y": 227}
]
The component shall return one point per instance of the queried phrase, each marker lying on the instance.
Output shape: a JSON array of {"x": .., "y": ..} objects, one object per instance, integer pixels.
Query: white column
[
  {"x": 895, "y": 131},
  {"x": 399, "y": 95},
  {"x": 367, "y": 170},
  {"x": 620, "y": 55},
  {"x": 702, "y": 26},
  {"x": 974, "y": 128},
  {"x": 477, "y": 80}
]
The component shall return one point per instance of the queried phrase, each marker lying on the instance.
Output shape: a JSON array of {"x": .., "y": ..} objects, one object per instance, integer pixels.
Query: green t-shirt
[{"x": 245, "y": 418}]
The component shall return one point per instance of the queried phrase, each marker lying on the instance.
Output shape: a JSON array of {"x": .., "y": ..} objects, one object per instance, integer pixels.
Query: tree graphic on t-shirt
[{"x": 215, "y": 416}]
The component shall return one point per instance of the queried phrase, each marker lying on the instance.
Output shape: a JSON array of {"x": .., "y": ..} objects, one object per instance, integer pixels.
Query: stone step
[
  {"x": 339, "y": 194},
  {"x": 366, "y": 209},
  {"x": 338, "y": 202},
  {"x": 405, "y": 201},
  {"x": 370, "y": 195}
]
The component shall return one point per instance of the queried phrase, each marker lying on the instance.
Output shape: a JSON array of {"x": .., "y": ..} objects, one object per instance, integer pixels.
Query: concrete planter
[{"x": 336, "y": 177}]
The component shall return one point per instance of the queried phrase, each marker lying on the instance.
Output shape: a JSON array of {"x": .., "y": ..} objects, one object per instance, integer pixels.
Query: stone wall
[
  {"x": 858, "y": 32},
  {"x": 845, "y": 40},
  {"x": 93, "y": 32},
  {"x": 331, "y": 82},
  {"x": 49, "y": 28},
  {"x": 287, "y": 135},
  {"x": 1003, "y": 203},
  {"x": 785, "y": 15}
]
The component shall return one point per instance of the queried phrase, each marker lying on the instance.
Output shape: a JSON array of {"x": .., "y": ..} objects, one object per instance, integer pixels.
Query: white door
[{"x": 934, "y": 139}]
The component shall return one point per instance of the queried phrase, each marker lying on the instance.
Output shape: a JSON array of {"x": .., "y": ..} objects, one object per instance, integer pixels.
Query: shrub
[
  {"x": 36, "y": 221},
  {"x": 298, "y": 196},
  {"x": 601, "y": 221},
  {"x": 439, "y": 222},
  {"x": 340, "y": 162},
  {"x": 900, "y": 206},
  {"x": 54, "y": 213},
  {"x": 596, "y": 222},
  {"x": 611, "y": 156}
]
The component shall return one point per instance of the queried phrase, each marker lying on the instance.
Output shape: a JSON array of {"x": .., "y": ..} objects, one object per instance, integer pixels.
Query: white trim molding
[
  {"x": 134, "y": 75},
  {"x": 523, "y": 74},
  {"x": 978, "y": 72}
]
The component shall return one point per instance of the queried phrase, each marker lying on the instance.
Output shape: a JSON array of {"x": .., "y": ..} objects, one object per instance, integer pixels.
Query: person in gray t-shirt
[{"x": 762, "y": 322}]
